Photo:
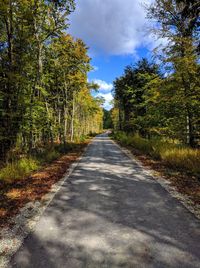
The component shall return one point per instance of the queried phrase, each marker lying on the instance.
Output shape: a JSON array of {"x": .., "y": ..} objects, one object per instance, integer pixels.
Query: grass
[
  {"x": 172, "y": 154},
  {"x": 19, "y": 169},
  {"x": 27, "y": 178},
  {"x": 21, "y": 166},
  {"x": 15, "y": 194},
  {"x": 184, "y": 158}
]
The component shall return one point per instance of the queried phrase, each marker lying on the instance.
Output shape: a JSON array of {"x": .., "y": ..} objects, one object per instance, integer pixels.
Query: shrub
[{"x": 18, "y": 169}]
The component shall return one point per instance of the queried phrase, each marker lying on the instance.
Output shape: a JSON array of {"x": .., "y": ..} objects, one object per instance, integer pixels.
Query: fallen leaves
[{"x": 15, "y": 195}]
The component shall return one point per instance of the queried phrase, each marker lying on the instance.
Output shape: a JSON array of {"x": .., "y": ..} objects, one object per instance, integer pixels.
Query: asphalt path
[{"x": 111, "y": 213}]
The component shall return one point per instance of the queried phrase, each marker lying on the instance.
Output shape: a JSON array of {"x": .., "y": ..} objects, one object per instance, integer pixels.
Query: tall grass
[
  {"x": 185, "y": 158},
  {"x": 18, "y": 169},
  {"x": 20, "y": 166},
  {"x": 174, "y": 155}
]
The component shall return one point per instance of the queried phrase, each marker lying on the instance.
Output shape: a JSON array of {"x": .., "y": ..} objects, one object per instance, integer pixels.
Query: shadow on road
[{"x": 110, "y": 214}]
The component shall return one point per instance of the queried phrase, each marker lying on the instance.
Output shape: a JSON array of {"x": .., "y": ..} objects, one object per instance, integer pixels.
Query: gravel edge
[
  {"x": 11, "y": 239},
  {"x": 185, "y": 200}
]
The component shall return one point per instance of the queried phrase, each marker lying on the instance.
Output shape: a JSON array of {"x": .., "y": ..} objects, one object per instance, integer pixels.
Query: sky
[{"x": 117, "y": 34}]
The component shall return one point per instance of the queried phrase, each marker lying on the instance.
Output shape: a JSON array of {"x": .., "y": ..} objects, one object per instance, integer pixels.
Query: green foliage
[
  {"x": 27, "y": 29},
  {"x": 129, "y": 92},
  {"x": 107, "y": 120},
  {"x": 20, "y": 166},
  {"x": 178, "y": 21},
  {"x": 51, "y": 155},
  {"x": 144, "y": 145},
  {"x": 44, "y": 94},
  {"x": 151, "y": 104},
  {"x": 19, "y": 169}
]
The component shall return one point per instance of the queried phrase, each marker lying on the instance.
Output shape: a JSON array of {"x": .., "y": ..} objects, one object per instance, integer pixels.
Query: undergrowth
[
  {"x": 172, "y": 154},
  {"x": 20, "y": 165},
  {"x": 19, "y": 169}
]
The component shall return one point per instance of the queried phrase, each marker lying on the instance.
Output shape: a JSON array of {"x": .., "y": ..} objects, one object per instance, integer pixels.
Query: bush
[
  {"x": 173, "y": 154},
  {"x": 18, "y": 169}
]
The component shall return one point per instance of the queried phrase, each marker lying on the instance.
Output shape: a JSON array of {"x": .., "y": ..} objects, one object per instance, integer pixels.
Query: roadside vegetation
[
  {"x": 22, "y": 166},
  {"x": 46, "y": 102},
  {"x": 163, "y": 100},
  {"x": 30, "y": 179},
  {"x": 174, "y": 155},
  {"x": 156, "y": 111},
  {"x": 47, "y": 105},
  {"x": 157, "y": 107}
]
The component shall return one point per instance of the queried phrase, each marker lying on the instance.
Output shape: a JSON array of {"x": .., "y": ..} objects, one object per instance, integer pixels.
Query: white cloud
[
  {"x": 95, "y": 68},
  {"x": 108, "y": 98},
  {"x": 105, "y": 92},
  {"x": 103, "y": 85},
  {"x": 111, "y": 26}
]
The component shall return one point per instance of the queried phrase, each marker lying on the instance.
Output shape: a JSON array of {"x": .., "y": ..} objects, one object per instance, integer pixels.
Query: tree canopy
[
  {"x": 44, "y": 93},
  {"x": 155, "y": 101}
]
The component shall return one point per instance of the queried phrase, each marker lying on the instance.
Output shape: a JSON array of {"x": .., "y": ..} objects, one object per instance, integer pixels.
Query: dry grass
[
  {"x": 174, "y": 155},
  {"x": 184, "y": 158},
  {"x": 178, "y": 164}
]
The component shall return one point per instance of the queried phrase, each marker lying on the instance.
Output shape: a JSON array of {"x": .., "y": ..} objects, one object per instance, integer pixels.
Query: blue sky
[{"x": 116, "y": 32}]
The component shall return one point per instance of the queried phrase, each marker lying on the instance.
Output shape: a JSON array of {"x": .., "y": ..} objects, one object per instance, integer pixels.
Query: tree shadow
[{"x": 112, "y": 217}]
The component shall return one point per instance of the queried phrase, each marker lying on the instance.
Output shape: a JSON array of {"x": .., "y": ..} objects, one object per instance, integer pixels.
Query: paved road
[{"x": 110, "y": 214}]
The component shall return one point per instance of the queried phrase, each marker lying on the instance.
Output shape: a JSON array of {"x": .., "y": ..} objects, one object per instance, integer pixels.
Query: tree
[
  {"x": 129, "y": 91},
  {"x": 178, "y": 21},
  {"x": 44, "y": 93},
  {"x": 107, "y": 120}
]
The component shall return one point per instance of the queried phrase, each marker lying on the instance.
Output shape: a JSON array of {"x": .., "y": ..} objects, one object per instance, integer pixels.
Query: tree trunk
[
  {"x": 190, "y": 131},
  {"x": 49, "y": 122},
  {"x": 73, "y": 113},
  {"x": 30, "y": 142}
]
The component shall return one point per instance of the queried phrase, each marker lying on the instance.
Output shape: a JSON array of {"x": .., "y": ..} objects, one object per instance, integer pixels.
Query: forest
[
  {"x": 157, "y": 102},
  {"x": 96, "y": 172},
  {"x": 47, "y": 102},
  {"x": 44, "y": 93}
]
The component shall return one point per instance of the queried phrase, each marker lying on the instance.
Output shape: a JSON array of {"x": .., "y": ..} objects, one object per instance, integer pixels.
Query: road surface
[{"x": 109, "y": 213}]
